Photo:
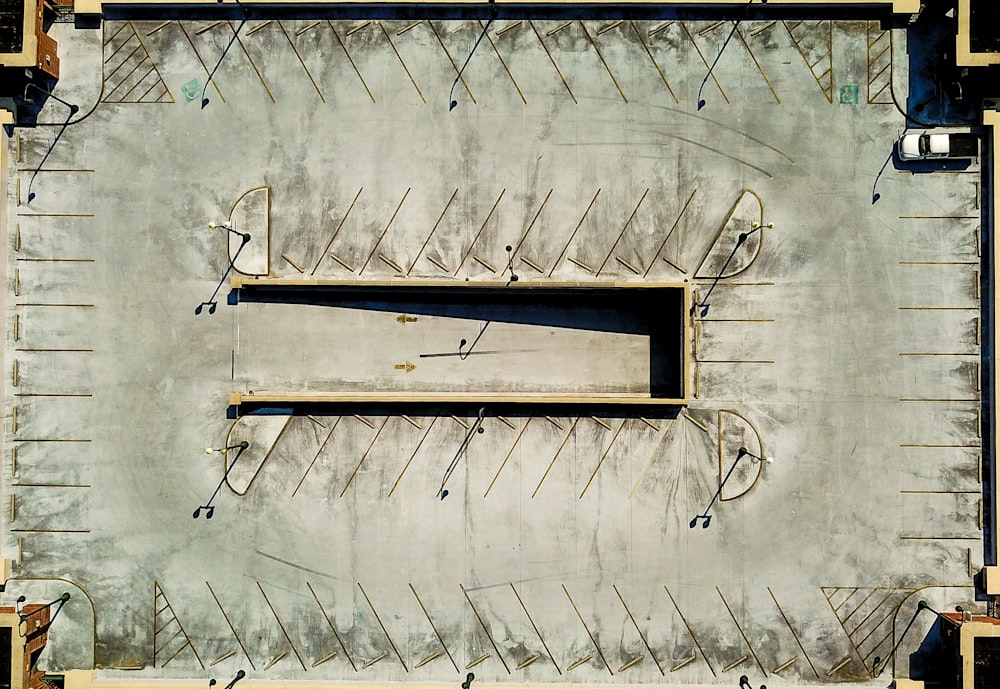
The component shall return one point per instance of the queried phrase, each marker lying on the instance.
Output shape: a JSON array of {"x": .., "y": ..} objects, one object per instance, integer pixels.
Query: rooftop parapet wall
[
  {"x": 898, "y": 6},
  {"x": 964, "y": 56}
]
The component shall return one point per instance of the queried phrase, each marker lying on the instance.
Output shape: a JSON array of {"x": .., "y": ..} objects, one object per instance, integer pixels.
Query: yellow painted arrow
[
  {"x": 404, "y": 319},
  {"x": 405, "y": 367}
]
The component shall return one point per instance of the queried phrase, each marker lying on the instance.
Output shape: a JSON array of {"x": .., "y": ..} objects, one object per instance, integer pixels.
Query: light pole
[
  {"x": 754, "y": 227},
  {"x": 245, "y": 239},
  {"x": 73, "y": 109},
  {"x": 452, "y": 103},
  {"x": 209, "y": 507},
  {"x": 228, "y": 227},
  {"x": 467, "y": 353},
  {"x": 736, "y": 25},
  {"x": 239, "y": 675},
  {"x": 476, "y": 427},
  {"x": 23, "y": 617},
  {"x": 510, "y": 264},
  {"x": 705, "y": 516},
  {"x": 246, "y": 15},
  {"x": 921, "y": 606},
  {"x": 745, "y": 683},
  {"x": 875, "y": 195}
]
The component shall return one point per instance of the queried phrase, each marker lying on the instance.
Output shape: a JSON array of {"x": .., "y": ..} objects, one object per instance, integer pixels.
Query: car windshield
[{"x": 924, "y": 144}]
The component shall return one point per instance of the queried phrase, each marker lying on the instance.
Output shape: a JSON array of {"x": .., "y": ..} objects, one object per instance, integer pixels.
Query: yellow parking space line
[
  {"x": 792, "y": 630},
  {"x": 333, "y": 629},
  {"x": 587, "y": 629},
  {"x": 480, "y": 232},
  {"x": 555, "y": 457},
  {"x": 553, "y": 60},
  {"x": 621, "y": 234},
  {"x": 604, "y": 62},
  {"x": 458, "y": 72},
  {"x": 351, "y": 60},
  {"x": 652, "y": 59},
  {"x": 436, "y": 633},
  {"x": 690, "y": 631},
  {"x": 402, "y": 63},
  {"x": 507, "y": 457},
  {"x": 283, "y": 630},
  {"x": 639, "y": 631},
  {"x": 485, "y": 629},
  {"x": 535, "y": 627},
  {"x": 299, "y": 57},
  {"x": 573, "y": 235},
  {"x": 307, "y": 27},
  {"x": 702, "y": 56},
  {"x": 257, "y": 28},
  {"x": 197, "y": 55},
  {"x": 502, "y": 61},
  {"x": 386, "y": 229},
  {"x": 231, "y": 627},
  {"x": 437, "y": 222},
  {"x": 253, "y": 64},
  {"x": 336, "y": 231},
  {"x": 384, "y": 630}
]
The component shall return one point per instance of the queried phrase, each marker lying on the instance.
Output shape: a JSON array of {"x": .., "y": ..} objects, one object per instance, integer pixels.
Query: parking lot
[{"x": 843, "y": 342}]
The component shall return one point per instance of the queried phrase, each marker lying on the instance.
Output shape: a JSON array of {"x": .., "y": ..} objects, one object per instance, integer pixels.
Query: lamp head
[
  {"x": 64, "y": 597},
  {"x": 244, "y": 445},
  {"x": 452, "y": 105},
  {"x": 209, "y": 511}
]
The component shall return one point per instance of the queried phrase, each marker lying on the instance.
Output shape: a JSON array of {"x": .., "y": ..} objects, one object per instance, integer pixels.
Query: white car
[{"x": 929, "y": 144}]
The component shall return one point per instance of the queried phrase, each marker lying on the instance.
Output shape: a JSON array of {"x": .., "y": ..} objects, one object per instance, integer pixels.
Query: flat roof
[{"x": 839, "y": 329}]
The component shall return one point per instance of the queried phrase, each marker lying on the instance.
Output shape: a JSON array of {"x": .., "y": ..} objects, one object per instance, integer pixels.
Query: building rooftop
[{"x": 732, "y": 418}]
